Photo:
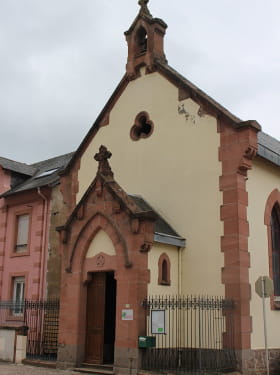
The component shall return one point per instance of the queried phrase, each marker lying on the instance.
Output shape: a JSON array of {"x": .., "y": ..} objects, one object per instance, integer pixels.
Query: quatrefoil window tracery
[{"x": 142, "y": 128}]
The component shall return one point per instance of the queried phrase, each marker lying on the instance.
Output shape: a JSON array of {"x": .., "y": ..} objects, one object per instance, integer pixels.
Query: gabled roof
[
  {"x": 163, "y": 233},
  {"x": 15, "y": 166},
  {"x": 187, "y": 89},
  {"x": 45, "y": 173},
  {"x": 134, "y": 205}
]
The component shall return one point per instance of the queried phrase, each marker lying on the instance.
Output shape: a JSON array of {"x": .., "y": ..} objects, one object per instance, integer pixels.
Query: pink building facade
[{"x": 28, "y": 210}]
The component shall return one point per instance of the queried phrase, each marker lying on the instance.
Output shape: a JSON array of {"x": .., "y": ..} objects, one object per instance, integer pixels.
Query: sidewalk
[{"x": 12, "y": 369}]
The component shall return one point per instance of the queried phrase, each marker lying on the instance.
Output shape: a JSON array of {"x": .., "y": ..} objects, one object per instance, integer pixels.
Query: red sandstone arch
[
  {"x": 92, "y": 226},
  {"x": 273, "y": 198}
]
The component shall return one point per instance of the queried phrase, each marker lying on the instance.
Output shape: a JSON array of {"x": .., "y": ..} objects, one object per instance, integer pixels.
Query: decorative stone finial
[
  {"x": 102, "y": 157},
  {"x": 144, "y": 7}
]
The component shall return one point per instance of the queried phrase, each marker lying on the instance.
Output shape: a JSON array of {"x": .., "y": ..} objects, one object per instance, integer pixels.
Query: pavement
[{"x": 12, "y": 369}]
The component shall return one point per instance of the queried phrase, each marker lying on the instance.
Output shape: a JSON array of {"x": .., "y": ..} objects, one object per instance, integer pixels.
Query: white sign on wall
[
  {"x": 158, "y": 321},
  {"x": 127, "y": 314}
]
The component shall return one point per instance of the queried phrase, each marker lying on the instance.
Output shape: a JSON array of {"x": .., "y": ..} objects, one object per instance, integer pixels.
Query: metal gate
[
  {"x": 193, "y": 334},
  {"x": 42, "y": 320}
]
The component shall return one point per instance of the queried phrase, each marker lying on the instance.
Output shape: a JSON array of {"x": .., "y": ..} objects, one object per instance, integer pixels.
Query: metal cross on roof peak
[
  {"x": 102, "y": 157},
  {"x": 143, "y": 2},
  {"x": 144, "y": 8}
]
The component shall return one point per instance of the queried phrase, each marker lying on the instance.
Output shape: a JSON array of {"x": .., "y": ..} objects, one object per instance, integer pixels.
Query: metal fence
[
  {"x": 192, "y": 334},
  {"x": 41, "y": 320}
]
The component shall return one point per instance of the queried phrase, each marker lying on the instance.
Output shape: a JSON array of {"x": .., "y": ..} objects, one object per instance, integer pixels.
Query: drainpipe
[
  {"x": 179, "y": 271},
  {"x": 44, "y": 244},
  {"x": 4, "y": 248},
  {"x": 180, "y": 290}
]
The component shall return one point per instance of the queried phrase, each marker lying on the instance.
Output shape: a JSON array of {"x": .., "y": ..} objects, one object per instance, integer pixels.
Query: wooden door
[{"x": 95, "y": 318}]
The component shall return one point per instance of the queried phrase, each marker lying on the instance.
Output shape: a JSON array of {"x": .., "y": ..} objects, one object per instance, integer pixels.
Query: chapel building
[{"x": 154, "y": 231}]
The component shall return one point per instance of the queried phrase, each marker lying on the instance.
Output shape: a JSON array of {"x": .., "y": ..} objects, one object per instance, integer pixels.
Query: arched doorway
[{"x": 100, "y": 318}]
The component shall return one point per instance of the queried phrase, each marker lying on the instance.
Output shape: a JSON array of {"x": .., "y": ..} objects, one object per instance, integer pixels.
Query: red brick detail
[
  {"x": 237, "y": 149},
  {"x": 145, "y": 55},
  {"x": 88, "y": 232},
  {"x": 109, "y": 209},
  {"x": 69, "y": 186},
  {"x": 274, "y": 197}
]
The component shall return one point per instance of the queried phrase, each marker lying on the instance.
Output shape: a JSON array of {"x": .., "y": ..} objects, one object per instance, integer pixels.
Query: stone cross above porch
[{"x": 102, "y": 157}]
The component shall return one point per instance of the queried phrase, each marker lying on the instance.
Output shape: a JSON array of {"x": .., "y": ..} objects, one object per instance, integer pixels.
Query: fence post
[{"x": 197, "y": 344}]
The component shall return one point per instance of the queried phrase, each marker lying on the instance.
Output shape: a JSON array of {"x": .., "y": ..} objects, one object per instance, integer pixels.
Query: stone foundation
[
  {"x": 253, "y": 362},
  {"x": 70, "y": 356},
  {"x": 127, "y": 361}
]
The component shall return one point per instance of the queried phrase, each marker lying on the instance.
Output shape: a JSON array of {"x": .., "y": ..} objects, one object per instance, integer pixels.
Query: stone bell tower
[{"x": 145, "y": 41}]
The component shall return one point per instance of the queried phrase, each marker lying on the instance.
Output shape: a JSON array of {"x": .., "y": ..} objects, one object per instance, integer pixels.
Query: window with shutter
[{"x": 22, "y": 233}]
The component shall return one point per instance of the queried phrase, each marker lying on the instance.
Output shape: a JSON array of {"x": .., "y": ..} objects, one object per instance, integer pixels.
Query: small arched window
[
  {"x": 141, "y": 41},
  {"x": 164, "y": 270},
  {"x": 275, "y": 242}
]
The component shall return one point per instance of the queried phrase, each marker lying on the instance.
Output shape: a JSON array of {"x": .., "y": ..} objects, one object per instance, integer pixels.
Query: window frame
[
  {"x": 16, "y": 215},
  {"x": 164, "y": 274},
  {"x": 273, "y": 199},
  {"x": 141, "y": 120},
  {"x": 21, "y": 282},
  {"x": 275, "y": 247}
]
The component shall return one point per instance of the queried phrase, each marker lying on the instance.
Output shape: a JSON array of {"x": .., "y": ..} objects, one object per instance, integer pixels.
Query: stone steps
[{"x": 95, "y": 369}]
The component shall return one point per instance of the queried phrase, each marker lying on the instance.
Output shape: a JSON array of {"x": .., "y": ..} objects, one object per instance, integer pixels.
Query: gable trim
[{"x": 186, "y": 89}]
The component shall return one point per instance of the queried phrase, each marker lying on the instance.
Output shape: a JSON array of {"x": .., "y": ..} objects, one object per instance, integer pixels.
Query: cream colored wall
[
  {"x": 263, "y": 179},
  {"x": 101, "y": 243},
  {"x": 176, "y": 170},
  {"x": 153, "y": 257}
]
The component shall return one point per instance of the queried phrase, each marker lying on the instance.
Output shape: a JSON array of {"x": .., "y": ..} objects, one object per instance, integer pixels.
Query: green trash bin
[{"x": 146, "y": 341}]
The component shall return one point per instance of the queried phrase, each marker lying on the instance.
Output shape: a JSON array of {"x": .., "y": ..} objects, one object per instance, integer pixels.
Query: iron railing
[
  {"x": 41, "y": 320},
  {"x": 193, "y": 334}
]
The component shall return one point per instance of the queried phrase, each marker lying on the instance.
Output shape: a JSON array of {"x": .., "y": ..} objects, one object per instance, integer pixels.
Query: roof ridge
[
  {"x": 15, "y": 161},
  {"x": 52, "y": 158}
]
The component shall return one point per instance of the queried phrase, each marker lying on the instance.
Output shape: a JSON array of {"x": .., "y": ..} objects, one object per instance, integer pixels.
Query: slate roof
[
  {"x": 17, "y": 167},
  {"x": 164, "y": 233},
  {"x": 269, "y": 148},
  {"x": 45, "y": 173}
]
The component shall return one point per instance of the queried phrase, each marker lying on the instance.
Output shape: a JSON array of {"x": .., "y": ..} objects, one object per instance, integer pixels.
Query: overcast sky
[{"x": 61, "y": 59}]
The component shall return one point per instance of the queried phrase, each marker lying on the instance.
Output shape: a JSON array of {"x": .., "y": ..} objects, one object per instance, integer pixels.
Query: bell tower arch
[{"x": 145, "y": 41}]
